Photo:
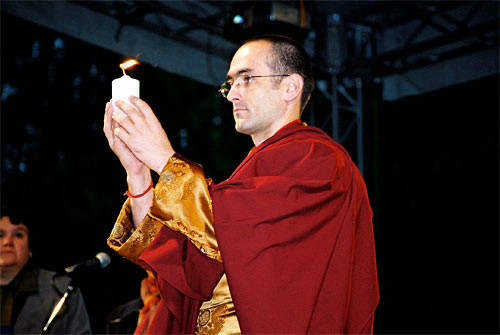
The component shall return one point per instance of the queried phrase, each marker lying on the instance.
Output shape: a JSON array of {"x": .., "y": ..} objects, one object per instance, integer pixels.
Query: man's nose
[{"x": 233, "y": 94}]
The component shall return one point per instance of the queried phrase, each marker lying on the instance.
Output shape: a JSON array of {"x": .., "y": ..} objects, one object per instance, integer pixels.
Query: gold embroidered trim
[
  {"x": 131, "y": 243},
  {"x": 211, "y": 321},
  {"x": 196, "y": 237}
]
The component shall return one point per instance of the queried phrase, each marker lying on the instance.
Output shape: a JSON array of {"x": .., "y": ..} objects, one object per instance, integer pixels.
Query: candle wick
[{"x": 124, "y": 72}]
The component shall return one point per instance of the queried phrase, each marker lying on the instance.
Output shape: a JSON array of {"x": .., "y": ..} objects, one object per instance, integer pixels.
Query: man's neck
[{"x": 286, "y": 119}]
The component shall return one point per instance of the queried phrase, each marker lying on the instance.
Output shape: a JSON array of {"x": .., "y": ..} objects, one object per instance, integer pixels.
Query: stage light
[{"x": 238, "y": 19}]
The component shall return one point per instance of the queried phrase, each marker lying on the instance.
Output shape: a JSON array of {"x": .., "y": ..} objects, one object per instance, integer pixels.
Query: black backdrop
[{"x": 431, "y": 170}]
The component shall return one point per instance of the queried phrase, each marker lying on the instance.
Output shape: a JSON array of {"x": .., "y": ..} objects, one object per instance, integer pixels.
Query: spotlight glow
[{"x": 238, "y": 19}]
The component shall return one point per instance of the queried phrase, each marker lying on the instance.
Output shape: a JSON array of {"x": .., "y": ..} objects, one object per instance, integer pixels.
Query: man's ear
[{"x": 294, "y": 84}]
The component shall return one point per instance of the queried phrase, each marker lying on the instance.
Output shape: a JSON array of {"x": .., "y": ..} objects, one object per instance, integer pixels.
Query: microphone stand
[{"x": 57, "y": 308}]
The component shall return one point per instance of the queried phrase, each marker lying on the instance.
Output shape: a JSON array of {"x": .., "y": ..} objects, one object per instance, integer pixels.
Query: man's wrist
[
  {"x": 135, "y": 196},
  {"x": 162, "y": 162},
  {"x": 138, "y": 183}
]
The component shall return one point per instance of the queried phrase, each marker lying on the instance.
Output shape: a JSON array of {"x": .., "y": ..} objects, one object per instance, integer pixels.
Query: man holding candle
[{"x": 285, "y": 245}]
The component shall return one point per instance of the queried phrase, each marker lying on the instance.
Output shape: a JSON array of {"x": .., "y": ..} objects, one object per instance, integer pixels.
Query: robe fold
[
  {"x": 294, "y": 228},
  {"x": 185, "y": 278}
]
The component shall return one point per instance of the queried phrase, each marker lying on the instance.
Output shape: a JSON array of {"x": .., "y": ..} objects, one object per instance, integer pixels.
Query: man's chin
[{"x": 240, "y": 128}]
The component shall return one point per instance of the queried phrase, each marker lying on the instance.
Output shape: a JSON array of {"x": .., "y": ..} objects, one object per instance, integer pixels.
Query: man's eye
[{"x": 246, "y": 79}]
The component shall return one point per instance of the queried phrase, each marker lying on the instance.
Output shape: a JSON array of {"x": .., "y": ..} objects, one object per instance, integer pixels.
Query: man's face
[
  {"x": 14, "y": 247},
  {"x": 257, "y": 106}
]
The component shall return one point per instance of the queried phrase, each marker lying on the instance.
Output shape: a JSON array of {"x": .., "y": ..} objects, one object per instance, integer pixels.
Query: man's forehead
[{"x": 249, "y": 58}]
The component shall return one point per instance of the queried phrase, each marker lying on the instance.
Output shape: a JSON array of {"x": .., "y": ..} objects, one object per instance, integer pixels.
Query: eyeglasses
[{"x": 242, "y": 81}]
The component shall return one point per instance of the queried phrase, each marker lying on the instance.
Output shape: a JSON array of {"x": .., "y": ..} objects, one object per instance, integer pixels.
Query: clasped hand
[{"x": 137, "y": 138}]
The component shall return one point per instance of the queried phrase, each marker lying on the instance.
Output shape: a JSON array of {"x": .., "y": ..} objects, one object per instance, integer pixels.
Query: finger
[
  {"x": 128, "y": 108},
  {"x": 122, "y": 135},
  {"x": 135, "y": 115},
  {"x": 123, "y": 121},
  {"x": 143, "y": 107},
  {"x": 108, "y": 122},
  {"x": 139, "y": 103},
  {"x": 108, "y": 110}
]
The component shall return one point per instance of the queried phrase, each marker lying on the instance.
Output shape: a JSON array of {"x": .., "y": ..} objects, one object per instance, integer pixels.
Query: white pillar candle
[{"x": 122, "y": 88}]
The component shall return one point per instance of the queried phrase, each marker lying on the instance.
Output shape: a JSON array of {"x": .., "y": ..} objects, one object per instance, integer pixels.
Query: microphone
[{"x": 101, "y": 260}]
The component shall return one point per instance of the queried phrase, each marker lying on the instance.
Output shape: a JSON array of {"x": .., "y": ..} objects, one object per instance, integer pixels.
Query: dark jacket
[{"x": 34, "y": 298}]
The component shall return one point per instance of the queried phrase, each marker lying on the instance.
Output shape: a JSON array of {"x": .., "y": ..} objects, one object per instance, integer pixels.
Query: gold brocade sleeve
[
  {"x": 128, "y": 242},
  {"x": 181, "y": 202}
]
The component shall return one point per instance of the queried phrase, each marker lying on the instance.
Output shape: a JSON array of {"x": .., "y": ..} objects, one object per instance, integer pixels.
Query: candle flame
[{"x": 128, "y": 64}]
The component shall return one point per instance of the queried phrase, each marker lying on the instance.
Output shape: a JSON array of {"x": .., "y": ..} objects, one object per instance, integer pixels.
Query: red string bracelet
[{"x": 128, "y": 194}]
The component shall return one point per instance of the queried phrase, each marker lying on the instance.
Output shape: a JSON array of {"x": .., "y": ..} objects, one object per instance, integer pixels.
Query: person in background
[
  {"x": 150, "y": 297},
  {"x": 28, "y": 293},
  {"x": 135, "y": 316},
  {"x": 283, "y": 246}
]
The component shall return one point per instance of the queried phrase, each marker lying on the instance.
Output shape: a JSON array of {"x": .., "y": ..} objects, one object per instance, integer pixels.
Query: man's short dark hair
[{"x": 289, "y": 57}]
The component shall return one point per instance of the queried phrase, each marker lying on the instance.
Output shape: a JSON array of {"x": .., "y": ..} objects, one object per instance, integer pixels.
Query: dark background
[{"x": 431, "y": 168}]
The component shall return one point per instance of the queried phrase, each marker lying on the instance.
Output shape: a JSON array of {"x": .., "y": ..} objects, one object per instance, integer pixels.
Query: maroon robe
[{"x": 294, "y": 227}]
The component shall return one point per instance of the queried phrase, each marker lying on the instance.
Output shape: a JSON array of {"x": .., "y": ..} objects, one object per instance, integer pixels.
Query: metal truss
[
  {"x": 422, "y": 34},
  {"x": 353, "y": 43},
  {"x": 430, "y": 31},
  {"x": 433, "y": 32}
]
